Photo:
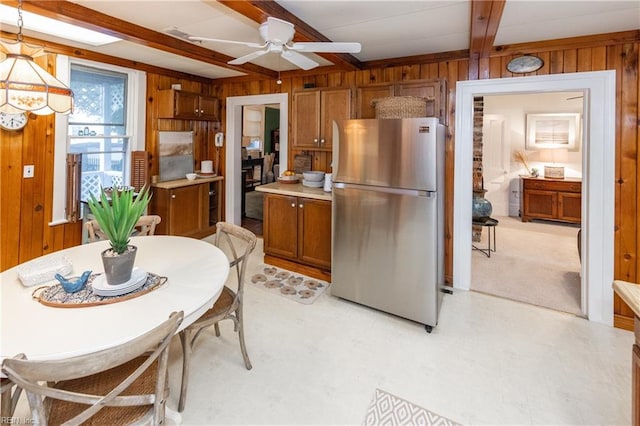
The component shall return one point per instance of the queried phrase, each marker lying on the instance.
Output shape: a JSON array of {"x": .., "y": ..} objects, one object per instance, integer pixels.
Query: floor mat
[
  {"x": 388, "y": 409},
  {"x": 288, "y": 284}
]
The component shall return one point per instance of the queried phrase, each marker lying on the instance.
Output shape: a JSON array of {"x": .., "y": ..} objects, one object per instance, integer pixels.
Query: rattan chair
[
  {"x": 120, "y": 385},
  {"x": 146, "y": 225},
  {"x": 237, "y": 243}
]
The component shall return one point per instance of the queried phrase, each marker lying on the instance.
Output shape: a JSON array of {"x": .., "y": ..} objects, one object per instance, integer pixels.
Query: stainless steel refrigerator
[{"x": 388, "y": 216}]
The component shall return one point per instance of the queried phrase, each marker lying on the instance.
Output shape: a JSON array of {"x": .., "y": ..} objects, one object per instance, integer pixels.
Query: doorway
[
  {"x": 233, "y": 183},
  {"x": 260, "y": 157},
  {"x": 599, "y": 179},
  {"x": 539, "y": 259}
]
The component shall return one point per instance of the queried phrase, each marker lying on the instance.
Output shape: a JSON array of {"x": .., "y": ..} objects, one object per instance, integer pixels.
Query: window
[
  {"x": 109, "y": 105},
  {"x": 98, "y": 127}
]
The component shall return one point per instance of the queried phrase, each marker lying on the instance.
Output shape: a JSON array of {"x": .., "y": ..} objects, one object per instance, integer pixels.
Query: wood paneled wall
[
  {"x": 26, "y": 203},
  {"x": 204, "y": 131},
  {"x": 621, "y": 57}
]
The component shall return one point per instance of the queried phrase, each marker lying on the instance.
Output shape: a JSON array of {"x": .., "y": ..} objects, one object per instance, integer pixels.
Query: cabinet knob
[
  {"x": 293, "y": 205},
  {"x": 322, "y": 141},
  {"x": 173, "y": 195},
  {"x": 315, "y": 141},
  {"x": 301, "y": 205}
]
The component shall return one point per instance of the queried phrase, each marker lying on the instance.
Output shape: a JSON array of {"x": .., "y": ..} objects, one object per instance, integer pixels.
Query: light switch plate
[{"x": 27, "y": 171}]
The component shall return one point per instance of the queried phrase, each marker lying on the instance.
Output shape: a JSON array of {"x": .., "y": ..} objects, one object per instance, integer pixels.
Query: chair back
[
  {"x": 146, "y": 225},
  {"x": 35, "y": 376},
  {"x": 237, "y": 243}
]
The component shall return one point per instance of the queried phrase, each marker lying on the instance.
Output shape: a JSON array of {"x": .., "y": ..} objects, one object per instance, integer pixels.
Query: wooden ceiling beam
[
  {"x": 260, "y": 10},
  {"x": 485, "y": 19},
  {"x": 76, "y": 14},
  {"x": 74, "y": 52}
]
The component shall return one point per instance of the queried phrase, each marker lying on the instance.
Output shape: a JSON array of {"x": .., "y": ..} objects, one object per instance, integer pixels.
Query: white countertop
[
  {"x": 630, "y": 293},
  {"x": 170, "y": 184},
  {"x": 296, "y": 190}
]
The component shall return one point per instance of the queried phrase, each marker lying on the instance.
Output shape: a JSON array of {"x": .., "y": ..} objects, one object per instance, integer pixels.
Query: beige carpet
[
  {"x": 389, "y": 410},
  {"x": 535, "y": 262}
]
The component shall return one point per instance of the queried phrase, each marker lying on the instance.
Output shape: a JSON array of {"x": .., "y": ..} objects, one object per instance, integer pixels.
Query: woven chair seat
[
  {"x": 221, "y": 307},
  {"x": 101, "y": 384}
]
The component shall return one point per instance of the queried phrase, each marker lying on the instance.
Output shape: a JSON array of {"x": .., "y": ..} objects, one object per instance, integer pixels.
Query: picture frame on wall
[{"x": 553, "y": 131}]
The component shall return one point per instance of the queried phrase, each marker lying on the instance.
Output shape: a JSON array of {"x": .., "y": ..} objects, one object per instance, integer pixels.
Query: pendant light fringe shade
[{"x": 25, "y": 86}]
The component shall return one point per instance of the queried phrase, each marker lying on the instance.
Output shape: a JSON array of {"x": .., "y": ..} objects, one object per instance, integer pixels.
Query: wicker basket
[{"x": 400, "y": 107}]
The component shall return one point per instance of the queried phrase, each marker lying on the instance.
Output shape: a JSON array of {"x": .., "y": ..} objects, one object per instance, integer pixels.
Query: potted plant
[{"x": 117, "y": 216}]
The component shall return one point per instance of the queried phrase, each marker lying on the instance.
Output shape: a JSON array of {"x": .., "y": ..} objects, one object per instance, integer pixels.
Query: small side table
[{"x": 491, "y": 226}]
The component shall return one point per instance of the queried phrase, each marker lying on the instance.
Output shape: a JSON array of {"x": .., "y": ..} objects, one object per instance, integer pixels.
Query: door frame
[
  {"x": 598, "y": 189},
  {"x": 233, "y": 128}
]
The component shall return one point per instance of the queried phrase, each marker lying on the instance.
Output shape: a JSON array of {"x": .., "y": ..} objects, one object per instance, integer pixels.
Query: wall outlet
[{"x": 27, "y": 171}]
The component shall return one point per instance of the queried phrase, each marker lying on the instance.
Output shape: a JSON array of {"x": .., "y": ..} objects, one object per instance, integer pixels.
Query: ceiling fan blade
[
  {"x": 217, "y": 40},
  {"x": 278, "y": 31},
  {"x": 299, "y": 60},
  {"x": 246, "y": 58},
  {"x": 327, "y": 47}
]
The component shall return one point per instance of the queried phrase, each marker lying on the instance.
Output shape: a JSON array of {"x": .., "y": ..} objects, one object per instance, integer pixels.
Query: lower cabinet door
[
  {"x": 314, "y": 232},
  {"x": 280, "y": 226},
  {"x": 186, "y": 210}
]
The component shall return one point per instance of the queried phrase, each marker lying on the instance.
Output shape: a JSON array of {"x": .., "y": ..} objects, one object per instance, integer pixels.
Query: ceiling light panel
[{"x": 44, "y": 25}]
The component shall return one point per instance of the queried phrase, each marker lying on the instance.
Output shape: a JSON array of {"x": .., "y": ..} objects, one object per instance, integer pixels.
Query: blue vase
[{"x": 481, "y": 209}]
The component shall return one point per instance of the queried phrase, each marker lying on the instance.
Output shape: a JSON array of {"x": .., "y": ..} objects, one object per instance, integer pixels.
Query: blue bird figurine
[{"x": 74, "y": 284}]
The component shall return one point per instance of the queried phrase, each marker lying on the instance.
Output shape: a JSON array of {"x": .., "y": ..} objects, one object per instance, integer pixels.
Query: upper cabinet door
[
  {"x": 430, "y": 90},
  {"x": 186, "y": 105},
  {"x": 208, "y": 108},
  {"x": 366, "y": 95},
  {"x": 306, "y": 119},
  {"x": 335, "y": 105}
]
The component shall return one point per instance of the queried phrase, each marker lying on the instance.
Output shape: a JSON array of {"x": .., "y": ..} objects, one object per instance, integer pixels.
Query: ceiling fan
[{"x": 278, "y": 35}]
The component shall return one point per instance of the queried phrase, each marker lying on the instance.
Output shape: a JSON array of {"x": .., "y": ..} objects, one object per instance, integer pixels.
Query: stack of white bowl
[{"x": 313, "y": 179}]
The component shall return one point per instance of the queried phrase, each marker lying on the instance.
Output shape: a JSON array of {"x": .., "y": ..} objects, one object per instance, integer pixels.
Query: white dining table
[{"x": 196, "y": 272}]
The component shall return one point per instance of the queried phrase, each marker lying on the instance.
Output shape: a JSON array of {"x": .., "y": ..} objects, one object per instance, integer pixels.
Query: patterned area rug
[
  {"x": 387, "y": 409},
  {"x": 289, "y": 284}
]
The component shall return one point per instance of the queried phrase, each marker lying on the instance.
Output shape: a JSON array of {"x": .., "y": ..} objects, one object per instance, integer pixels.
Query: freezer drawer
[
  {"x": 398, "y": 153},
  {"x": 385, "y": 250}
]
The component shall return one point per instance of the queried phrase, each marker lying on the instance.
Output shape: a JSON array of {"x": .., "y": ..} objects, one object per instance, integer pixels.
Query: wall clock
[
  {"x": 525, "y": 64},
  {"x": 13, "y": 121}
]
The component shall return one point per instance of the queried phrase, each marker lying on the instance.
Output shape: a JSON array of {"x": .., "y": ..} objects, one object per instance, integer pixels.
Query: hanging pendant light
[{"x": 24, "y": 85}]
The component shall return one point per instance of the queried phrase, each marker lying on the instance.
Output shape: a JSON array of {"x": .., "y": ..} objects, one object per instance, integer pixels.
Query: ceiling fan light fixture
[{"x": 525, "y": 64}]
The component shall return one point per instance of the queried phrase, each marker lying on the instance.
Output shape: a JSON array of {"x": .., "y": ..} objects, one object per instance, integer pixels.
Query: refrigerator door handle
[{"x": 387, "y": 190}]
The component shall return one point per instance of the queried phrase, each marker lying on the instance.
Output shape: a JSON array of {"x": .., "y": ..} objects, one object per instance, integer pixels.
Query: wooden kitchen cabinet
[
  {"x": 365, "y": 96},
  {"x": 187, "y": 208},
  {"x": 186, "y": 105},
  {"x": 550, "y": 199},
  {"x": 435, "y": 91},
  {"x": 313, "y": 114},
  {"x": 298, "y": 229}
]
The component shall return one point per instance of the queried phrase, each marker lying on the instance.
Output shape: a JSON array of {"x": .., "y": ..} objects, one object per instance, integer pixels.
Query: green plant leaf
[{"x": 118, "y": 216}]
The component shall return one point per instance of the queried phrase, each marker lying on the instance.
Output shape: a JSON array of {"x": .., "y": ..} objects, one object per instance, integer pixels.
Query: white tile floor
[{"x": 489, "y": 361}]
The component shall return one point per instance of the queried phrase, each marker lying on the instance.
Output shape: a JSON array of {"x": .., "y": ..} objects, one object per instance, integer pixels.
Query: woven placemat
[{"x": 55, "y": 295}]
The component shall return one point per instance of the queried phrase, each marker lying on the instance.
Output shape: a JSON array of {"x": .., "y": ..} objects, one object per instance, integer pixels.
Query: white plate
[
  {"x": 102, "y": 288},
  {"x": 312, "y": 184}
]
